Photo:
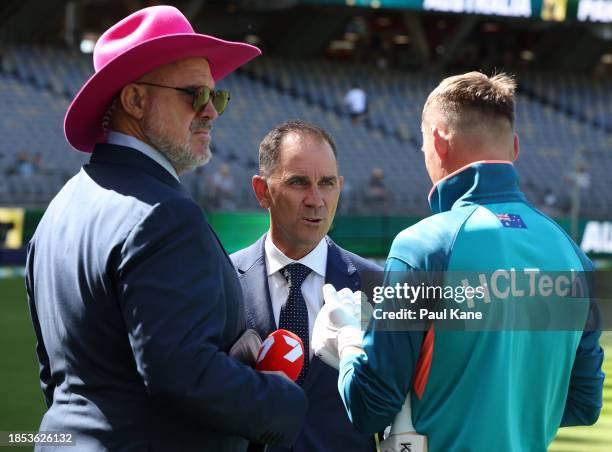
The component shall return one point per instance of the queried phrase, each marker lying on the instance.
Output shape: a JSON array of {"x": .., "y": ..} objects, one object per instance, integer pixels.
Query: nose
[
  {"x": 209, "y": 111},
  {"x": 314, "y": 198}
]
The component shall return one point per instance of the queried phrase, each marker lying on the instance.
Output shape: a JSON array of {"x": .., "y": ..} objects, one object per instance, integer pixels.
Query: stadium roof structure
[{"x": 426, "y": 39}]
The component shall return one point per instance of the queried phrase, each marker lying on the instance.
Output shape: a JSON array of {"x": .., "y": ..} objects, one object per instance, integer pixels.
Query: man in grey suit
[
  {"x": 134, "y": 301},
  {"x": 282, "y": 274}
]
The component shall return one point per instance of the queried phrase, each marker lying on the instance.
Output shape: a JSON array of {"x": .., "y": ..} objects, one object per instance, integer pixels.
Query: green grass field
[
  {"x": 597, "y": 437},
  {"x": 21, "y": 402}
]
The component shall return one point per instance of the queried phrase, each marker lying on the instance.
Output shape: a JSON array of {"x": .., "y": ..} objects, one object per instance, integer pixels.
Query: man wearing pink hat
[{"x": 134, "y": 301}]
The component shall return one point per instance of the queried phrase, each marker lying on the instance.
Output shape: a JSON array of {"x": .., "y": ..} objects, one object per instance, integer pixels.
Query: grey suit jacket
[{"x": 327, "y": 427}]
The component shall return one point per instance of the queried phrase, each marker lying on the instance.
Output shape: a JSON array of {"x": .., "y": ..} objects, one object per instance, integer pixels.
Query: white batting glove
[{"x": 338, "y": 324}]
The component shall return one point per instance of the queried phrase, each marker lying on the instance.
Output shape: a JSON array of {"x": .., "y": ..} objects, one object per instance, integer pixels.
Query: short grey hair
[{"x": 269, "y": 148}]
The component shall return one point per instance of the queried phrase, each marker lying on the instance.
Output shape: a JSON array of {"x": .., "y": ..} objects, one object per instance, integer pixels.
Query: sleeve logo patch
[{"x": 511, "y": 220}]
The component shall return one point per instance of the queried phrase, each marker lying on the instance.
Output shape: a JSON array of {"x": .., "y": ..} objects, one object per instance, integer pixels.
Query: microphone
[
  {"x": 282, "y": 350},
  {"x": 403, "y": 436}
]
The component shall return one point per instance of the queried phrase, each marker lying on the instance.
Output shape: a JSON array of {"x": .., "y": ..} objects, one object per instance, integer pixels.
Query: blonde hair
[{"x": 466, "y": 100}]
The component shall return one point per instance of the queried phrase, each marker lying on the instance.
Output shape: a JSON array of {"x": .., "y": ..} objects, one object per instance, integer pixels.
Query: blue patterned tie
[{"x": 294, "y": 314}]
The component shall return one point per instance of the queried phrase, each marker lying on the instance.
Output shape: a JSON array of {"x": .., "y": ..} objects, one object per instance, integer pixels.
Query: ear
[
  {"x": 517, "y": 147},
  {"x": 260, "y": 187},
  {"x": 441, "y": 143},
  {"x": 340, "y": 182},
  {"x": 133, "y": 100}
]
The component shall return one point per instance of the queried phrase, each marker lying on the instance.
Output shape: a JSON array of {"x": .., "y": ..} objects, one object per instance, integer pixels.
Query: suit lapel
[
  {"x": 340, "y": 273},
  {"x": 254, "y": 280},
  {"x": 218, "y": 241}
]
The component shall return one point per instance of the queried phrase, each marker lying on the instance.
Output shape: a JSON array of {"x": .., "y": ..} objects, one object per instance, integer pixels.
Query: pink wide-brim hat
[{"x": 147, "y": 39}]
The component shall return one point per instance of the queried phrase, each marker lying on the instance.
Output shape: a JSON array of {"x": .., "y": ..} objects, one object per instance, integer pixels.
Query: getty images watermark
[{"x": 503, "y": 299}]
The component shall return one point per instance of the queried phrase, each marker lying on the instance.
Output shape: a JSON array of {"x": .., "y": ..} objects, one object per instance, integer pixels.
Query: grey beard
[{"x": 180, "y": 155}]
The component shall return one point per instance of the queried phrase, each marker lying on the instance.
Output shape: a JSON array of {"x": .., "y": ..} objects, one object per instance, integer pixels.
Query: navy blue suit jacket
[
  {"x": 134, "y": 303},
  {"x": 327, "y": 427}
]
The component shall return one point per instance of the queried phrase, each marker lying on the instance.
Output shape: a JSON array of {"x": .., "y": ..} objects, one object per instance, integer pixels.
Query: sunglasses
[{"x": 201, "y": 96}]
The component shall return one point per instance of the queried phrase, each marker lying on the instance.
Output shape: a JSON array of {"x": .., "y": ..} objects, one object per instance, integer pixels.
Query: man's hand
[
  {"x": 247, "y": 348},
  {"x": 338, "y": 325},
  {"x": 280, "y": 373}
]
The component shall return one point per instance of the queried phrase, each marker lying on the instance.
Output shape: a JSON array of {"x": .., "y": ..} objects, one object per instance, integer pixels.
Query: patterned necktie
[{"x": 294, "y": 314}]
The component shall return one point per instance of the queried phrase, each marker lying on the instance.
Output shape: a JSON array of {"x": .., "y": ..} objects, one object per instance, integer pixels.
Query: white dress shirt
[
  {"x": 312, "y": 286},
  {"x": 129, "y": 141}
]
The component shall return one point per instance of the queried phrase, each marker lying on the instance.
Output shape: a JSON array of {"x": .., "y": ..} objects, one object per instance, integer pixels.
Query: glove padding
[{"x": 338, "y": 324}]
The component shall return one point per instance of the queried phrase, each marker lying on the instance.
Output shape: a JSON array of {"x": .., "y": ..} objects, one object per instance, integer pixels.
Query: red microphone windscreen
[{"x": 282, "y": 350}]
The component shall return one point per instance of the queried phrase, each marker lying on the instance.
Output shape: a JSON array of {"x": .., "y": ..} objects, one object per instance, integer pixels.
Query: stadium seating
[
  {"x": 586, "y": 98},
  {"x": 551, "y": 132},
  {"x": 31, "y": 122},
  {"x": 36, "y": 85},
  {"x": 58, "y": 70}
]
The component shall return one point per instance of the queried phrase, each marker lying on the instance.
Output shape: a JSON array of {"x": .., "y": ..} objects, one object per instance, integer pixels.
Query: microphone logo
[
  {"x": 295, "y": 352},
  {"x": 291, "y": 356},
  {"x": 265, "y": 348}
]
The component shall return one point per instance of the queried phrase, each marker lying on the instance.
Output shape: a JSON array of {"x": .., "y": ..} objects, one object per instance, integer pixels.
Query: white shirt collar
[
  {"x": 316, "y": 260},
  {"x": 122, "y": 139}
]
